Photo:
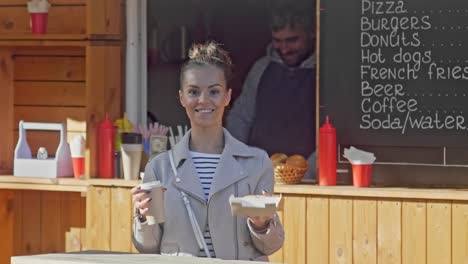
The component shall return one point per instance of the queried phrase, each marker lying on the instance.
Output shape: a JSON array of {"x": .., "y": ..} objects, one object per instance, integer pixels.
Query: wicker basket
[{"x": 288, "y": 174}]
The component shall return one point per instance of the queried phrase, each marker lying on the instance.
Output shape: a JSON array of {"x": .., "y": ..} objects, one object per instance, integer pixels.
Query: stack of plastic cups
[
  {"x": 39, "y": 11},
  {"x": 77, "y": 147}
]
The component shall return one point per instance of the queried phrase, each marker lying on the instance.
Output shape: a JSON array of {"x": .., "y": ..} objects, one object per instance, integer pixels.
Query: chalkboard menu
[{"x": 395, "y": 72}]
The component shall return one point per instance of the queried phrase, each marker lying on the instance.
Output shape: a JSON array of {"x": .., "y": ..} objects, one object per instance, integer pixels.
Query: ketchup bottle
[
  {"x": 327, "y": 154},
  {"x": 106, "y": 148}
]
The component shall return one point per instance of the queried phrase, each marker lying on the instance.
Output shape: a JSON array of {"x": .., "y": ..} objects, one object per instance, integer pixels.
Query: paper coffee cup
[
  {"x": 131, "y": 149},
  {"x": 156, "y": 207}
]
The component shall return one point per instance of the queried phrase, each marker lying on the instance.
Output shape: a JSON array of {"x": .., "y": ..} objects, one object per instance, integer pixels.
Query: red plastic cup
[
  {"x": 78, "y": 167},
  {"x": 39, "y": 23},
  {"x": 362, "y": 175}
]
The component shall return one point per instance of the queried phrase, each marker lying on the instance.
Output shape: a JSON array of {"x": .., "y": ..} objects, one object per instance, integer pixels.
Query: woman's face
[{"x": 204, "y": 95}]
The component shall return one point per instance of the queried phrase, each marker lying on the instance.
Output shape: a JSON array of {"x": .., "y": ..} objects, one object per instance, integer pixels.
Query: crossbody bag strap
[{"x": 193, "y": 220}]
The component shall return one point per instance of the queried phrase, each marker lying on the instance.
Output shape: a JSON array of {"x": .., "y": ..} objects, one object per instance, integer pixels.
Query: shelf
[
  {"x": 57, "y": 39},
  {"x": 60, "y": 184}
]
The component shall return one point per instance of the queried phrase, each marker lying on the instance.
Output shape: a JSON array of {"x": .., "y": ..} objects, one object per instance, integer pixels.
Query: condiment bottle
[
  {"x": 327, "y": 154},
  {"x": 106, "y": 148}
]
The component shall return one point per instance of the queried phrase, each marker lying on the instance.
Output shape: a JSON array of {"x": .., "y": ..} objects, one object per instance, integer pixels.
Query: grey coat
[{"x": 242, "y": 170}]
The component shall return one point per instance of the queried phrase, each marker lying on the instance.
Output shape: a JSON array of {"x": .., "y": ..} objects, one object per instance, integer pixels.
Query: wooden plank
[
  {"x": 460, "y": 233},
  {"x": 98, "y": 220},
  {"x": 50, "y": 93},
  {"x": 295, "y": 229},
  {"x": 278, "y": 255},
  {"x": 73, "y": 240},
  {"x": 49, "y": 41},
  {"x": 6, "y": 111},
  {"x": 49, "y": 114},
  {"x": 49, "y": 51},
  {"x": 121, "y": 224},
  {"x": 18, "y": 224},
  {"x": 52, "y": 2},
  {"x": 364, "y": 231},
  {"x": 83, "y": 231},
  {"x": 133, "y": 248},
  {"x": 6, "y": 225},
  {"x": 45, "y": 187},
  {"x": 32, "y": 68},
  {"x": 104, "y": 17},
  {"x": 413, "y": 232},
  {"x": 439, "y": 232},
  {"x": 374, "y": 192},
  {"x": 61, "y": 20},
  {"x": 389, "y": 231},
  {"x": 317, "y": 239},
  {"x": 103, "y": 91},
  {"x": 50, "y": 224},
  {"x": 31, "y": 223},
  {"x": 341, "y": 230},
  {"x": 60, "y": 182},
  {"x": 72, "y": 219}
]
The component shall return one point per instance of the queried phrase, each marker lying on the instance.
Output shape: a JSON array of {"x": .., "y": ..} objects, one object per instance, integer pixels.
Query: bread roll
[
  {"x": 278, "y": 158},
  {"x": 297, "y": 161}
]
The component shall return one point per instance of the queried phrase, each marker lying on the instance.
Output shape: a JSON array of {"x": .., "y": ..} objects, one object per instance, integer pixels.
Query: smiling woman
[{"x": 202, "y": 171}]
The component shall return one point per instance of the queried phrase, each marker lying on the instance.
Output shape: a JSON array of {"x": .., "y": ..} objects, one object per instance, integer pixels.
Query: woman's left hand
[{"x": 260, "y": 222}]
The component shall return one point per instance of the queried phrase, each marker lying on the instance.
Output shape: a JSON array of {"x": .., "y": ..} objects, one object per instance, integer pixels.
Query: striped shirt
[{"x": 205, "y": 165}]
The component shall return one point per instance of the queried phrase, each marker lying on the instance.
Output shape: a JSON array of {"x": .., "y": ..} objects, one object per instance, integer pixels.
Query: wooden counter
[
  {"x": 344, "y": 224},
  {"x": 382, "y": 192},
  {"x": 337, "y": 224}
]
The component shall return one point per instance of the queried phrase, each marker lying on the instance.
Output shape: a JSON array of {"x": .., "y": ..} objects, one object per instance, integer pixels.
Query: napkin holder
[{"x": 27, "y": 166}]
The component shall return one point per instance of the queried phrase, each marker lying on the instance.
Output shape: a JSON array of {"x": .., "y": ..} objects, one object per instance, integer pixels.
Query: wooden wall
[
  {"x": 319, "y": 229},
  {"x": 109, "y": 220},
  {"x": 33, "y": 222},
  {"x": 65, "y": 17},
  {"x": 49, "y": 86},
  {"x": 327, "y": 229},
  {"x": 96, "y": 19},
  {"x": 72, "y": 74}
]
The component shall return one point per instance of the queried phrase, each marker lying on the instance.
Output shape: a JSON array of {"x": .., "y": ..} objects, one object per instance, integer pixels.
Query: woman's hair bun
[{"x": 209, "y": 53}]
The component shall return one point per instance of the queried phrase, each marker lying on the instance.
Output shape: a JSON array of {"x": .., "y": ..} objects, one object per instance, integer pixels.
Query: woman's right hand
[{"x": 141, "y": 199}]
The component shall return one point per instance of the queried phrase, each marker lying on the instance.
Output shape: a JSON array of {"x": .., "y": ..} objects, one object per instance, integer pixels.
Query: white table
[{"x": 85, "y": 258}]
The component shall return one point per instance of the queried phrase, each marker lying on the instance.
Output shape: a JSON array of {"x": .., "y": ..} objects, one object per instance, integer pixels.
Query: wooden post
[{"x": 6, "y": 112}]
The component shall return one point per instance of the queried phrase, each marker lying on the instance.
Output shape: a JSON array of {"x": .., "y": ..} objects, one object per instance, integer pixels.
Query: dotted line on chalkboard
[
  {"x": 456, "y": 28},
  {"x": 441, "y": 11},
  {"x": 430, "y": 94},
  {"x": 434, "y": 44},
  {"x": 452, "y": 61},
  {"x": 440, "y": 111}
]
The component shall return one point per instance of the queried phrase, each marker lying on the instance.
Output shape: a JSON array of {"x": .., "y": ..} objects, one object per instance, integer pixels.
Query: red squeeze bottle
[
  {"x": 327, "y": 154},
  {"x": 106, "y": 148}
]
